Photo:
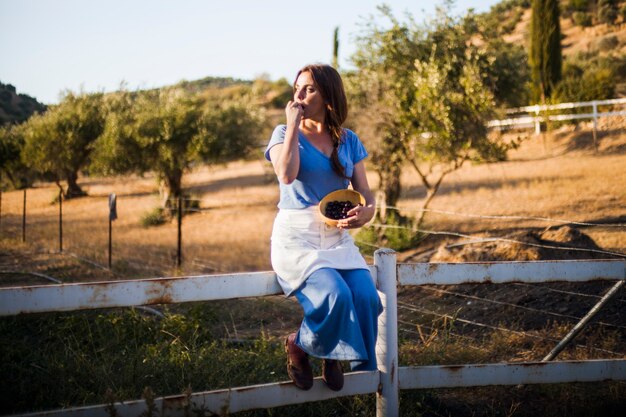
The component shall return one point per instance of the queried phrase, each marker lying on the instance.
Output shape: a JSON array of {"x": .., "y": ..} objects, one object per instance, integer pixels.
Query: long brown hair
[{"x": 328, "y": 82}]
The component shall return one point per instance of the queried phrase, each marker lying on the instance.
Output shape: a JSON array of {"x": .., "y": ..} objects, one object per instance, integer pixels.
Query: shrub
[
  {"x": 582, "y": 19},
  {"x": 398, "y": 234},
  {"x": 597, "y": 83},
  {"x": 154, "y": 217},
  {"x": 578, "y": 5},
  {"x": 607, "y": 11}
]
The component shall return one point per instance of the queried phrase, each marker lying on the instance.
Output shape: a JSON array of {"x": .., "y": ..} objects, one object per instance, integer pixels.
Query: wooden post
[
  {"x": 112, "y": 216},
  {"x": 24, "y": 218},
  {"x": 110, "y": 241},
  {"x": 595, "y": 125},
  {"x": 180, "y": 222},
  {"x": 387, "y": 397},
  {"x": 537, "y": 121},
  {"x": 60, "y": 221}
]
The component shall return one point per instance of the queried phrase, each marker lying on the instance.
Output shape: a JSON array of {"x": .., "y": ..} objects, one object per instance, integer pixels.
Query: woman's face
[{"x": 307, "y": 94}]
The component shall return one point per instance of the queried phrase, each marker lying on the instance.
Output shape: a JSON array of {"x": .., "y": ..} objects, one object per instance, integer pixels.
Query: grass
[{"x": 71, "y": 359}]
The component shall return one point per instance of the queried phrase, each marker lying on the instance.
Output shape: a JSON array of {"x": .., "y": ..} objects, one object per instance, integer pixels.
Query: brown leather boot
[
  {"x": 298, "y": 366},
  {"x": 332, "y": 374}
]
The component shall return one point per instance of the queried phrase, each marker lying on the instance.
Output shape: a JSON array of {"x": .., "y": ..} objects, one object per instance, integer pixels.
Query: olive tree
[
  {"x": 60, "y": 141},
  {"x": 12, "y": 167},
  {"x": 381, "y": 96},
  {"x": 451, "y": 110},
  {"x": 424, "y": 96},
  {"x": 166, "y": 131}
]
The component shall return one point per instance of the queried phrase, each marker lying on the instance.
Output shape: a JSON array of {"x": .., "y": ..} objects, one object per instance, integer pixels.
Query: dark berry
[{"x": 338, "y": 209}]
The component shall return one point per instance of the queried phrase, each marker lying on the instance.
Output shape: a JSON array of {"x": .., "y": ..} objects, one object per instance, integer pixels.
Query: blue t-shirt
[{"x": 316, "y": 176}]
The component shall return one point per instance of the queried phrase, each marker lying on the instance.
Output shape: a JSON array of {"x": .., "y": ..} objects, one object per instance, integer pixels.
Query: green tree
[
  {"x": 11, "y": 166},
  {"x": 336, "y": 48},
  {"x": 168, "y": 130},
  {"x": 59, "y": 142},
  {"x": 424, "y": 96},
  {"x": 506, "y": 72},
  {"x": 586, "y": 80},
  {"x": 545, "y": 48},
  {"x": 381, "y": 95},
  {"x": 452, "y": 108}
]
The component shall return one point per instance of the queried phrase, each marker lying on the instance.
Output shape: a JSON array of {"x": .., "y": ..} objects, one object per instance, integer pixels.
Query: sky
[{"x": 50, "y": 46}]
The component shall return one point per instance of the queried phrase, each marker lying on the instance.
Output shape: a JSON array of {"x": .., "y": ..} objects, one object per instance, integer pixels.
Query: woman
[{"x": 312, "y": 156}]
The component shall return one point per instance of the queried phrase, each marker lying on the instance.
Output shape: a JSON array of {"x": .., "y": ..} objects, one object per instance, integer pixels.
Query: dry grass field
[{"x": 558, "y": 176}]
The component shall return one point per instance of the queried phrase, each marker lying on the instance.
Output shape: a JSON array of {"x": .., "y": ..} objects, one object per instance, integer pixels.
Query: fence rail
[
  {"x": 427, "y": 377},
  {"x": 537, "y": 114},
  {"x": 385, "y": 383}
]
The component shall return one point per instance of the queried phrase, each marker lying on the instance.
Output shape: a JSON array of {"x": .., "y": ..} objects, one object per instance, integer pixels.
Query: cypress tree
[
  {"x": 336, "y": 49},
  {"x": 545, "y": 48}
]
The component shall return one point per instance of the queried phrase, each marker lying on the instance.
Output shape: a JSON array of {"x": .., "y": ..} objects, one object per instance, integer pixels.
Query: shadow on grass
[{"x": 490, "y": 184}]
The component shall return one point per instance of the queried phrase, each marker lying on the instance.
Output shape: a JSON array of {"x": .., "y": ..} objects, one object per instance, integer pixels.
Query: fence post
[
  {"x": 112, "y": 216},
  {"x": 594, "y": 104},
  {"x": 179, "y": 235},
  {"x": 387, "y": 397},
  {"x": 24, "y": 218},
  {"x": 60, "y": 221},
  {"x": 537, "y": 121}
]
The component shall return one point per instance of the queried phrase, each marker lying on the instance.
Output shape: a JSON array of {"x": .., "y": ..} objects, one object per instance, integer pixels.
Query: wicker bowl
[{"x": 340, "y": 195}]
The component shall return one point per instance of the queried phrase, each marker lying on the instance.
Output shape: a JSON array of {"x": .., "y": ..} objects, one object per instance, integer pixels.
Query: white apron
[{"x": 302, "y": 243}]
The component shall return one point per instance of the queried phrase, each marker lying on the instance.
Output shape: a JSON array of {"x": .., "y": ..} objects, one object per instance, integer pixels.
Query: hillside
[
  {"x": 14, "y": 107},
  {"x": 576, "y": 38},
  {"x": 591, "y": 39}
]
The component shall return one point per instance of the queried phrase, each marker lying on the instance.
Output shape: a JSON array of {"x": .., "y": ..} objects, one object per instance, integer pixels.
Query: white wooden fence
[
  {"x": 385, "y": 382},
  {"x": 533, "y": 116}
]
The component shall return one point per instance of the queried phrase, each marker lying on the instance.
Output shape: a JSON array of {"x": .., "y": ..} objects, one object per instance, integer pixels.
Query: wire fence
[
  {"x": 43, "y": 226},
  {"x": 98, "y": 251},
  {"x": 454, "y": 318}
]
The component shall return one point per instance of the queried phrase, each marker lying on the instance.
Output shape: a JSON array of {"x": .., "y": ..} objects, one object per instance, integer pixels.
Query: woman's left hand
[{"x": 357, "y": 217}]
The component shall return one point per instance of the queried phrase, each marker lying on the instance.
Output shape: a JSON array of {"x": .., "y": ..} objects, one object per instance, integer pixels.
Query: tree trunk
[
  {"x": 388, "y": 190},
  {"x": 432, "y": 188},
  {"x": 388, "y": 160},
  {"x": 430, "y": 194},
  {"x": 171, "y": 188},
  {"x": 15, "y": 184},
  {"x": 58, "y": 183},
  {"x": 73, "y": 189}
]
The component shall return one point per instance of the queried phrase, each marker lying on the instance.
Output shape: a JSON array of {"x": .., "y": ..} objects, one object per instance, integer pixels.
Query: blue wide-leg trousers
[{"x": 341, "y": 309}]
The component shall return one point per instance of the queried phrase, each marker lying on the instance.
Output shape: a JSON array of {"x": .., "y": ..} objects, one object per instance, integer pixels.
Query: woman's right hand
[{"x": 294, "y": 113}]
